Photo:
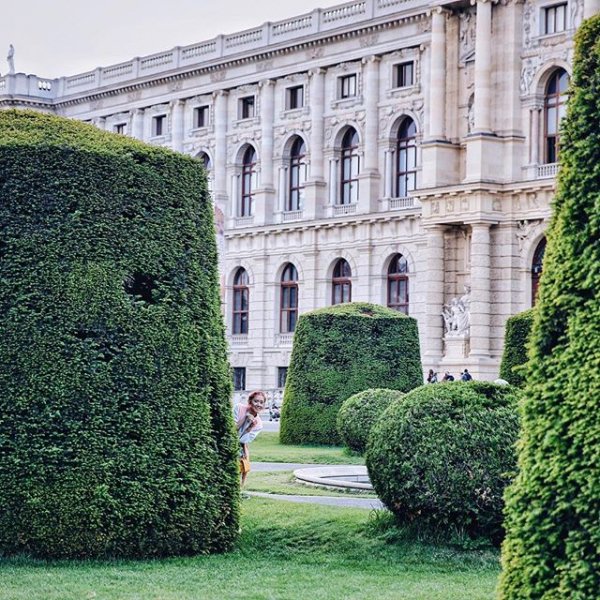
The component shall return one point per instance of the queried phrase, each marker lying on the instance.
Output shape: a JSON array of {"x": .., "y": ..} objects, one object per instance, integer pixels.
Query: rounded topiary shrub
[
  {"x": 116, "y": 437},
  {"x": 443, "y": 455},
  {"x": 358, "y": 414},
  {"x": 339, "y": 351},
  {"x": 516, "y": 339},
  {"x": 553, "y": 507}
]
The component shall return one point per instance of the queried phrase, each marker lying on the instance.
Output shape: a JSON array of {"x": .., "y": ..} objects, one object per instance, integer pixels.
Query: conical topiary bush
[{"x": 553, "y": 507}]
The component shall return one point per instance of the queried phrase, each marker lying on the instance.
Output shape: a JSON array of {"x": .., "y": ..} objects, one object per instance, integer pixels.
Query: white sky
[{"x": 64, "y": 37}]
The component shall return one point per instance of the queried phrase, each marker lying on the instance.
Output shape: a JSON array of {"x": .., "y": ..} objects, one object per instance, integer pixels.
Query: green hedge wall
[
  {"x": 440, "y": 458},
  {"x": 553, "y": 508},
  {"x": 516, "y": 340},
  {"x": 339, "y": 351},
  {"x": 116, "y": 437},
  {"x": 359, "y": 413}
]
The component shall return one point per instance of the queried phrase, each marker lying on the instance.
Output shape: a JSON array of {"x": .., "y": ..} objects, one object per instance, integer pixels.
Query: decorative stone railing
[
  {"x": 238, "y": 339},
  {"x": 284, "y": 339},
  {"x": 341, "y": 210},
  {"x": 350, "y": 14},
  {"x": 291, "y": 215},
  {"x": 546, "y": 171}
]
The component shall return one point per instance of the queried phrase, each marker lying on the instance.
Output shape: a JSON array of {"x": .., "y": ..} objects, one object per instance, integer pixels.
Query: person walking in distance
[
  {"x": 249, "y": 425},
  {"x": 466, "y": 376}
]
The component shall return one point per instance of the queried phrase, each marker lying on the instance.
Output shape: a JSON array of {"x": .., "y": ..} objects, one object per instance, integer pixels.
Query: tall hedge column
[{"x": 480, "y": 290}]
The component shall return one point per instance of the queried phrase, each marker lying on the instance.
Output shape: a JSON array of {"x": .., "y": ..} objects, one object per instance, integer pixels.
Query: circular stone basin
[{"x": 351, "y": 477}]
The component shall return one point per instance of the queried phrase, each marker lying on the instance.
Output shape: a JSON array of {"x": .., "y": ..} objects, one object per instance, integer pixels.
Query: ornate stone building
[{"x": 393, "y": 151}]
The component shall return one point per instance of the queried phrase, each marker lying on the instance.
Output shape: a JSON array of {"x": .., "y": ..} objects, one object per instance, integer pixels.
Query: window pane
[{"x": 551, "y": 121}]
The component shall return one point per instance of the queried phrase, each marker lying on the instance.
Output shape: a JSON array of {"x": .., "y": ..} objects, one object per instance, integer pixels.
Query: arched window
[
  {"x": 397, "y": 284},
  {"x": 406, "y": 159},
  {"x": 297, "y": 175},
  {"x": 240, "y": 302},
  {"x": 248, "y": 181},
  {"x": 554, "y": 110},
  {"x": 288, "y": 312},
  {"x": 341, "y": 287},
  {"x": 350, "y": 168},
  {"x": 536, "y": 269},
  {"x": 204, "y": 158}
]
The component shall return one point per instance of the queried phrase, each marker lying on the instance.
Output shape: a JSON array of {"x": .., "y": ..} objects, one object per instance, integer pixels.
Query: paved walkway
[
  {"x": 272, "y": 466},
  {"x": 367, "y": 503}
]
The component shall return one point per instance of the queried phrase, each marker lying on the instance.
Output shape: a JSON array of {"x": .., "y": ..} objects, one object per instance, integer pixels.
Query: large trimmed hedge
[
  {"x": 339, "y": 351},
  {"x": 358, "y": 414},
  {"x": 115, "y": 431},
  {"x": 553, "y": 508},
  {"x": 443, "y": 454},
  {"x": 516, "y": 342}
]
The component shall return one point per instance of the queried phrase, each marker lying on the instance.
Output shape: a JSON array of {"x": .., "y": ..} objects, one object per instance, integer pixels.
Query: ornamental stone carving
[
  {"x": 526, "y": 229},
  {"x": 457, "y": 315},
  {"x": 467, "y": 25}
]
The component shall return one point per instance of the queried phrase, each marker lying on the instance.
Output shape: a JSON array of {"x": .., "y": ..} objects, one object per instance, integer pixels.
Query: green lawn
[
  {"x": 266, "y": 448},
  {"x": 283, "y": 482},
  {"x": 286, "y": 552}
]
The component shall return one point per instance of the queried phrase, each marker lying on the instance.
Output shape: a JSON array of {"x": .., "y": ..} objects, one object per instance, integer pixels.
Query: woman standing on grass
[{"x": 249, "y": 425}]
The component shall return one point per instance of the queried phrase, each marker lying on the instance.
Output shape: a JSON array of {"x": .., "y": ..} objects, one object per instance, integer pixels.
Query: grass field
[
  {"x": 266, "y": 448},
  {"x": 286, "y": 552}
]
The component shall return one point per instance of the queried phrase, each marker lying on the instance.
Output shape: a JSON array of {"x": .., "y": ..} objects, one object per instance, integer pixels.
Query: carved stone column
[
  {"x": 434, "y": 296},
  {"x": 480, "y": 291},
  {"x": 267, "y": 104},
  {"x": 483, "y": 67},
  {"x": 437, "y": 74},
  {"x": 137, "y": 123},
  {"x": 220, "y": 167},
  {"x": 317, "y": 100},
  {"x": 177, "y": 107},
  {"x": 371, "y": 119}
]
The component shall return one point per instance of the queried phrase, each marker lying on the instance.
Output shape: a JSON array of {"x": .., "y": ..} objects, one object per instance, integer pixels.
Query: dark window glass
[
  {"x": 341, "y": 284},
  {"x": 248, "y": 177},
  {"x": 281, "y": 376},
  {"x": 406, "y": 159},
  {"x": 554, "y": 111},
  {"x": 239, "y": 378},
  {"x": 288, "y": 300},
  {"x": 241, "y": 309},
  {"x": 201, "y": 116},
  {"x": 121, "y": 128},
  {"x": 347, "y": 86},
  {"x": 247, "y": 107},
  {"x": 297, "y": 174},
  {"x": 404, "y": 74},
  {"x": 295, "y": 97},
  {"x": 397, "y": 284},
  {"x": 536, "y": 269},
  {"x": 555, "y": 18},
  {"x": 159, "y": 125},
  {"x": 349, "y": 168}
]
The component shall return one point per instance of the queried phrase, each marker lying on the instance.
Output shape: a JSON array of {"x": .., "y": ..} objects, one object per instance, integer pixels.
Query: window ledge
[
  {"x": 401, "y": 92},
  {"x": 347, "y": 102}
]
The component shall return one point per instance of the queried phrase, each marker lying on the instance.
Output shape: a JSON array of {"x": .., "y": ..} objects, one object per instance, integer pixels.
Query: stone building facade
[{"x": 392, "y": 151}]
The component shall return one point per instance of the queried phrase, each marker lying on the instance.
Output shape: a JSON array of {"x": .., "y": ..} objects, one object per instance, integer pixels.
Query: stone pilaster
[
  {"x": 434, "y": 296},
  {"x": 437, "y": 75},
  {"x": 137, "y": 123},
  {"x": 264, "y": 198},
  {"x": 177, "y": 108},
  {"x": 483, "y": 67},
  {"x": 220, "y": 163},
  {"x": 480, "y": 291}
]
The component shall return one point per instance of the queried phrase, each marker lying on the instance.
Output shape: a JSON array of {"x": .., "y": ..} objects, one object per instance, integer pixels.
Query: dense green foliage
[
  {"x": 339, "y": 351},
  {"x": 358, "y": 414},
  {"x": 442, "y": 456},
  {"x": 553, "y": 507},
  {"x": 116, "y": 437},
  {"x": 516, "y": 340}
]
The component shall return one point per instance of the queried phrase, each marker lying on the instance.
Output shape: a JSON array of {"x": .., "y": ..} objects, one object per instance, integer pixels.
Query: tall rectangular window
[
  {"x": 555, "y": 18},
  {"x": 120, "y": 128},
  {"x": 281, "y": 376},
  {"x": 404, "y": 74},
  {"x": 246, "y": 107},
  {"x": 200, "y": 116},
  {"x": 239, "y": 378},
  {"x": 294, "y": 97},
  {"x": 159, "y": 125},
  {"x": 347, "y": 86}
]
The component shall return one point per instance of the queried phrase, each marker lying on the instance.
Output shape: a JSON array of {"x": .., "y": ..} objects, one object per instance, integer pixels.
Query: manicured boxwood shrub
[
  {"x": 339, "y": 351},
  {"x": 116, "y": 437},
  {"x": 358, "y": 414},
  {"x": 516, "y": 340},
  {"x": 553, "y": 507},
  {"x": 441, "y": 457}
]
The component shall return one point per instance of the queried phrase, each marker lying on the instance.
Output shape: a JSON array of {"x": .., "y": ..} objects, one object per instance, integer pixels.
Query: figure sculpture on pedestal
[
  {"x": 457, "y": 315},
  {"x": 10, "y": 59}
]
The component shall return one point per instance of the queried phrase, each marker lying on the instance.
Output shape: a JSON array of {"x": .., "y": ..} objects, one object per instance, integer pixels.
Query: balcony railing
[
  {"x": 284, "y": 339},
  {"x": 546, "y": 171},
  {"x": 341, "y": 210},
  {"x": 244, "y": 221},
  {"x": 291, "y": 215},
  {"x": 238, "y": 339}
]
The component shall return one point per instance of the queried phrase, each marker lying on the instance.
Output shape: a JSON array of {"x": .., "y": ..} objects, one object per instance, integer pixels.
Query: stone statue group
[{"x": 457, "y": 315}]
